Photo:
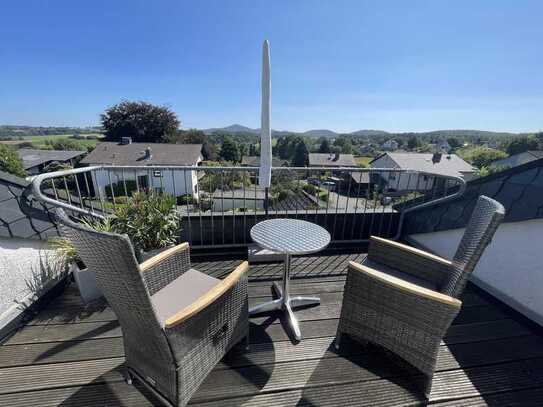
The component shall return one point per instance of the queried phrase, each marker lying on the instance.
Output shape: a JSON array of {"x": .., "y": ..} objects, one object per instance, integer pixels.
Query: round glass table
[{"x": 288, "y": 237}]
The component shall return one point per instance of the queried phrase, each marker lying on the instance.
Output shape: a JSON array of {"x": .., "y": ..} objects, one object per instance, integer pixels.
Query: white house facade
[
  {"x": 139, "y": 157},
  {"x": 421, "y": 166}
]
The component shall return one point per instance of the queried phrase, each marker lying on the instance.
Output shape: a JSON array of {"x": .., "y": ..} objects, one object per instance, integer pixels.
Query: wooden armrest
[
  {"x": 405, "y": 285},
  {"x": 412, "y": 250},
  {"x": 153, "y": 261},
  {"x": 210, "y": 297}
]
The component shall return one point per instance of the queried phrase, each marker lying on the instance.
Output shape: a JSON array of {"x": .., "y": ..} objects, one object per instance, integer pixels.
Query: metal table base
[{"x": 285, "y": 302}]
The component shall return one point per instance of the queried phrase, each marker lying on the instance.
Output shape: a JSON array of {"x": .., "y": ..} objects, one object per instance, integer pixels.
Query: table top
[{"x": 290, "y": 236}]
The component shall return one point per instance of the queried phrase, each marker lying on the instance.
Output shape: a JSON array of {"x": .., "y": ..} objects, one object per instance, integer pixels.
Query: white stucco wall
[
  {"x": 21, "y": 272},
  {"x": 511, "y": 268},
  {"x": 182, "y": 182}
]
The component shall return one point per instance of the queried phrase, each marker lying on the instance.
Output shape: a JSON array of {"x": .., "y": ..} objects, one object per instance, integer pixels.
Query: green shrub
[
  {"x": 310, "y": 189},
  {"x": 185, "y": 200},
  {"x": 480, "y": 156},
  {"x": 10, "y": 161},
  {"x": 323, "y": 195},
  {"x": 150, "y": 220}
]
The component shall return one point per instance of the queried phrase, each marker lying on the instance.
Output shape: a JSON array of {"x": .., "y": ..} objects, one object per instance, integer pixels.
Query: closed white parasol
[{"x": 264, "y": 178}]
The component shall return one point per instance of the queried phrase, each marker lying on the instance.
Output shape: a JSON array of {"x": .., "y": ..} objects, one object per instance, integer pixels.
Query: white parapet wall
[
  {"x": 27, "y": 266},
  {"x": 511, "y": 268}
]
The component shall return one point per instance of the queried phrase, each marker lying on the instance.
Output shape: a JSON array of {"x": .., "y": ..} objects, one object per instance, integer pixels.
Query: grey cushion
[
  {"x": 399, "y": 274},
  {"x": 181, "y": 292}
]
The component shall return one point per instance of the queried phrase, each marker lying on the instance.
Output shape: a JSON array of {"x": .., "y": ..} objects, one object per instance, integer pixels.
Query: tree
[
  {"x": 194, "y": 136},
  {"x": 413, "y": 142},
  {"x": 539, "y": 138},
  {"x": 301, "y": 155},
  {"x": 10, "y": 161},
  {"x": 242, "y": 151},
  {"x": 142, "y": 121},
  {"x": 66, "y": 144},
  {"x": 343, "y": 145},
  {"x": 325, "y": 146},
  {"x": 252, "y": 150},
  {"x": 481, "y": 156},
  {"x": 454, "y": 142},
  {"x": 282, "y": 148},
  {"x": 230, "y": 150},
  {"x": 521, "y": 144}
]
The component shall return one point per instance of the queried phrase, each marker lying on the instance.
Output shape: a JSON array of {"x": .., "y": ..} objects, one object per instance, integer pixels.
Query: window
[{"x": 143, "y": 181}]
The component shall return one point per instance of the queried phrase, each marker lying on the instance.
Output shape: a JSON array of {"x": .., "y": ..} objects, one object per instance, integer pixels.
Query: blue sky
[{"x": 342, "y": 65}]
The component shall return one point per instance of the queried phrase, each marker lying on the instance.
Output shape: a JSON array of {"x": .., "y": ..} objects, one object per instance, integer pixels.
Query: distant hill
[
  {"x": 468, "y": 133},
  {"x": 320, "y": 133},
  {"x": 239, "y": 129},
  {"x": 369, "y": 133},
  {"x": 232, "y": 129}
]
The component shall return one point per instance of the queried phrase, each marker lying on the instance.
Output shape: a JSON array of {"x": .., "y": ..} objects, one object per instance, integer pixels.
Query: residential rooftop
[
  {"x": 448, "y": 164},
  {"x": 134, "y": 154},
  {"x": 519, "y": 159},
  {"x": 331, "y": 160},
  {"x": 33, "y": 158},
  {"x": 254, "y": 161}
]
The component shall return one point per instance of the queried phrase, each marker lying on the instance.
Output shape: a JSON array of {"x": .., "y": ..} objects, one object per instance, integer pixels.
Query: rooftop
[
  {"x": 134, "y": 154},
  {"x": 19, "y": 217},
  {"x": 360, "y": 177},
  {"x": 331, "y": 160},
  {"x": 449, "y": 164},
  {"x": 254, "y": 161},
  {"x": 71, "y": 355},
  {"x": 32, "y": 158},
  {"x": 519, "y": 159}
]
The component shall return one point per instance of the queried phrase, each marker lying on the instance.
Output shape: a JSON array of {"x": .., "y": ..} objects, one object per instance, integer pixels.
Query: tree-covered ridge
[{"x": 9, "y": 131}]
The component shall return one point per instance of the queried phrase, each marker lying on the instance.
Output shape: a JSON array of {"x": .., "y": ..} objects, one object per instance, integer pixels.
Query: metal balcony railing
[{"x": 219, "y": 205}]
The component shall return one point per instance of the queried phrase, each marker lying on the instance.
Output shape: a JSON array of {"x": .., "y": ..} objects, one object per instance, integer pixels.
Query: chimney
[
  {"x": 436, "y": 158},
  {"x": 148, "y": 153},
  {"x": 126, "y": 140}
]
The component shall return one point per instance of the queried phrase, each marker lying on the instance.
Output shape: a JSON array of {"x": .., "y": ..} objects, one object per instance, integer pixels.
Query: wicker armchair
[
  {"x": 177, "y": 323},
  {"x": 405, "y": 299}
]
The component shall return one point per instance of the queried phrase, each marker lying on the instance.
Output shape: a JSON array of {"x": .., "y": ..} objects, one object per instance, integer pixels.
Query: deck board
[{"x": 71, "y": 354}]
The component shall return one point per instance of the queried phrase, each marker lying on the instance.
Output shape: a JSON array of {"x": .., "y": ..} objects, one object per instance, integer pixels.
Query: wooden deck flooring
[{"x": 71, "y": 355}]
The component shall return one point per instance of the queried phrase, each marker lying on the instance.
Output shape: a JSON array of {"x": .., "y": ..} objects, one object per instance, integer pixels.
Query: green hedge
[{"x": 185, "y": 199}]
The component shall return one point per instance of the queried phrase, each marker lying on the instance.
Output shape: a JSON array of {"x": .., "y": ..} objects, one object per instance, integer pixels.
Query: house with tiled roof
[
  {"x": 134, "y": 157},
  {"x": 425, "y": 165}
]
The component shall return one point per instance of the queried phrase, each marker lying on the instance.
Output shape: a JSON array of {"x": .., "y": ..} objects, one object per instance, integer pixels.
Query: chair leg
[
  {"x": 246, "y": 342},
  {"x": 128, "y": 376},
  {"x": 337, "y": 340},
  {"x": 427, "y": 385}
]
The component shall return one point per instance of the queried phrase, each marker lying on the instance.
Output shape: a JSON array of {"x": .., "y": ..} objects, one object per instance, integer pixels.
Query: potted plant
[
  {"x": 151, "y": 221},
  {"x": 66, "y": 252}
]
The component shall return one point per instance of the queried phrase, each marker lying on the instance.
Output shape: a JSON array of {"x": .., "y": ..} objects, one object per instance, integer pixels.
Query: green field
[{"x": 40, "y": 140}]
